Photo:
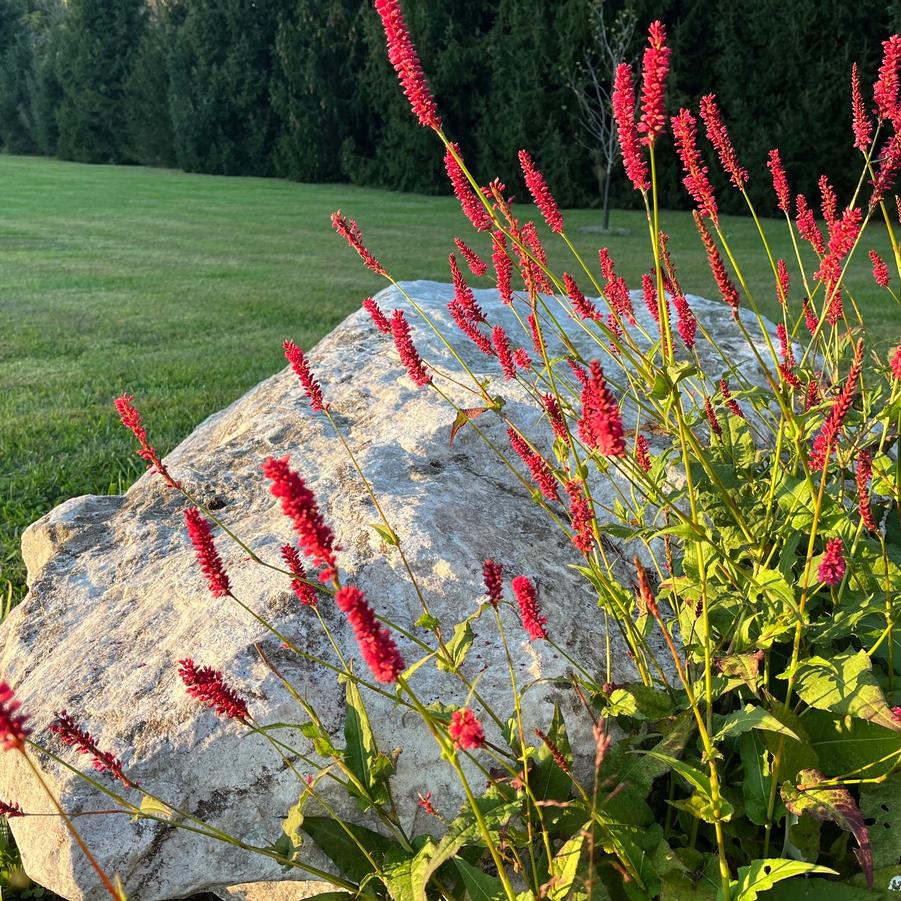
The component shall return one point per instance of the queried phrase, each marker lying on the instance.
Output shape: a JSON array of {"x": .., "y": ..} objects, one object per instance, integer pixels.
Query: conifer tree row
[{"x": 302, "y": 89}]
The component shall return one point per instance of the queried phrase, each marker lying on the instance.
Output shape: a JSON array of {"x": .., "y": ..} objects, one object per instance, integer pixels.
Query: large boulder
[{"x": 116, "y": 600}]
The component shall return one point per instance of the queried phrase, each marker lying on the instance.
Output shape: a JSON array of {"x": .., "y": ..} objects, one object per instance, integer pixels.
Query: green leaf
[
  {"x": 762, "y": 875},
  {"x": 639, "y": 702},
  {"x": 342, "y": 850},
  {"x": 846, "y": 685},
  {"x": 703, "y": 807},
  {"x": 881, "y": 803},
  {"x": 547, "y": 781},
  {"x": 750, "y": 717},
  {"x": 757, "y": 778},
  {"x": 689, "y": 875},
  {"x": 564, "y": 867},
  {"x": 372, "y": 768},
  {"x": 151, "y": 807},
  {"x": 845, "y": 744},
  {"x": 386, "y": 533},
  {"x": 457, "y": 647},
  {"x": 479, "y": 886}
]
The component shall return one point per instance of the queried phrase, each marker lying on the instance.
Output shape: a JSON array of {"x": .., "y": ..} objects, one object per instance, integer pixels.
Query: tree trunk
[{"x": 608, "y": 177}]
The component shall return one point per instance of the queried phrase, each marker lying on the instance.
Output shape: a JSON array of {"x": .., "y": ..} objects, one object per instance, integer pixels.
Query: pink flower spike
[
  {"x": 832, "y": 566},
  {"x": 807, "y": 226},
  {"x": 555, "y": 417},
  {"x": 463, "y": 293},
  {"x": 131, "y": 419},
  {"x": 209, "y": 687},
  {"x": 624, "y": 115},
  {"x": 885, "y": 91},
  {"x": 695, "y": 179},
  {"x": 304, "y": 591},
  {"x": 860, "y": 120},
  {"x": 374, "y": 640},
  {"x": 728, "y": 290},
  {"x": 69, "y": 733},
  {"x": 535, "y": 463},
  {"x": 783, "y": 281},
  {"x": 895, "y": 363},
  {"x": 731, "y": 403},
  {"x": 201, "y": 534},
  {"x": 477, "y": 266},
  {"x": 601, "y": 425},
  {"x": 503, "y": 267},
  {"x": 540, "y": 192},
  {"x": 403, "y": 57},
  {"x": 583, "y": 307},
  {"x": 654, "y": 69},
  {"x": 298, "y": 503},
  {"x": 828, "y": 202},
  {"x": 409, "y": 356},
  {"x": 378, "y": 317},
  {"x": 532, "y": 620},
  {"x": 581, "y": 516},
  {"x": 350, "y": 231},
  {"x": 720, "y": 139},
  {"x": 504, "y": 354},
  {"x": 299, "y": 363},
  {"x": 880, "y": 269},
  {"x": 862, "y": 481},
  {"x": 522, "y": 359},
  {"x": 493, "y": 575},
  {"x": 780, "y": 182},
  {"x": 465, "y": 730},
  {"x": 13, "y": 730},
  {"x": 472, "y": 207},
  {"x": 643, "y": 453}
]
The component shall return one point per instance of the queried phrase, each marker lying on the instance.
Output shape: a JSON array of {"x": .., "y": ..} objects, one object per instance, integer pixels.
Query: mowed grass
[{"x": 180, "y": 288}]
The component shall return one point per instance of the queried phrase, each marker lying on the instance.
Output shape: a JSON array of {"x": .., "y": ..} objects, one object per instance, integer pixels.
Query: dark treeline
[{"x": 302, "y": 88}]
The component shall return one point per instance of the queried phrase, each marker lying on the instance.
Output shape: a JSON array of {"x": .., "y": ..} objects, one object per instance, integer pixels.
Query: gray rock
[{"x": 116, "y": 600}]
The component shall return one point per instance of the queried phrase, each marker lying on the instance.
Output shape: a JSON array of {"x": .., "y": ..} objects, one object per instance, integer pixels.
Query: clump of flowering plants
[{"x": 758, "y": 739}]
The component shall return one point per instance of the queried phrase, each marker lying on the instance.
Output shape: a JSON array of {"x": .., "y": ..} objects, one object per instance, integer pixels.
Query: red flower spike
[
  {"x": 720, "y": 139},
  {"x": 503, "y": 267},
  {"x": 715, "y": 426},
  {"x": 728, "y": 291},
  {"x": 405, "y": 60},
  {"x": 504, "y": 354},
  {"x": 208, "y": 686},
  {"x": 11, "y": 809},
  {"x": 889, "y": 167},
  {"x": 374, "y": 640},
  {"x": 654, "y": 69},
  {"x": 477, "y": 266},
  {"x": 807, "y": 226},
  {"x": 425, "y": 802},
  {"x": 301, "y": 366},
  {"x": 895, "y": 363},
  {"x": 13, "y": 730},
  {"x": 536, "y": 464},
  {"x": 615, "y": 289},
  {"x": 885, "y": 91},
  {"x": 131, "y": 419},
  {"x": 825, "y": 442},
  {"x": 860, "y": 120},
  {"x": 812, "y": 396},
  {"x": 540, "y": 192},
  {"x": 350, "y": 231},
  {"x": 409, "y": 356},
  {"x": 463, "y": 293},
  {"x": 581, "y": 517},
  {"x": 378, "y": 317},
  {"x": 473, "y": 208},
  {"x": 649, "y": 293},
  {"x": 842, "y": 236},
  {"x": 643, "y": 453},
  {"x": 578, "y": 371},
  {"x": 780, "y": 182},
  {"x": 522, "y": 359},
  {"x": 529, "y": 234},
  {"x": 601, "y": 425},
  {"x": 624, "y": 115},
  {"x": 69, "y": 733},
  {"x": 731, "y": 402},
  {"x": 493, "y": 575},
  {"x": 554, "y": 415},
  {"x": 469, "y": 328},
  {"x": 836, "y": 309},
  {"x": 828, "y": 202},
  {"x": 583, "y": 307},
  {"x": 304, "y": 591},
  {"x": 201, "y": 534},
  {"x": 532, "y": 620},
  {"x": 537, "y": 340},
  {"x": 695, "y": 179},
  {"x": 787, "y": 366},
  {"x": 832, "y": 566},
  {"x": 298, "y": 503},
  {"x": 880, "y": 269},
  {"x": 862, "y": 480},
  {"x": 783, "y": 282},
  {"x": 465, "y": 730},
  {"x": 811, "y": 321}
]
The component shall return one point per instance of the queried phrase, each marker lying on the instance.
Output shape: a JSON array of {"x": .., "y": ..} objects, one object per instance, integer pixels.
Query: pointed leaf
[{"x": 762, "y": 875}]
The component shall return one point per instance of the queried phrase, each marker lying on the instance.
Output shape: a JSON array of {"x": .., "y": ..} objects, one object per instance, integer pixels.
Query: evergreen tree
[
  {"x": 97, "y": 46},
  {"x": 16, "y": 53},
  {"x": 220, "y": 82},
  {"x": 151, "y": 139}
]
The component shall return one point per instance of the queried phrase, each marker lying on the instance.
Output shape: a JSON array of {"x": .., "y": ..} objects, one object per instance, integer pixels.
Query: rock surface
[{"x": 116, "y": 600}]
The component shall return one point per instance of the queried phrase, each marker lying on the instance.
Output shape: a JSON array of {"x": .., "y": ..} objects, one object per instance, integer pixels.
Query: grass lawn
[{"x": 180, "y": 288}]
